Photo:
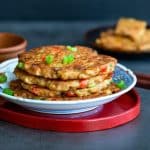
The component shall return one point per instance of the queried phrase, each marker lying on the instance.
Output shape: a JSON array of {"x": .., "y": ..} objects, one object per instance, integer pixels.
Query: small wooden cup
[{"x": 11, "y": 45}]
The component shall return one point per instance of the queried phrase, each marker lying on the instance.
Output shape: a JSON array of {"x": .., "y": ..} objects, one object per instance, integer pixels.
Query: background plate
[{"x": 91, "y": 35}]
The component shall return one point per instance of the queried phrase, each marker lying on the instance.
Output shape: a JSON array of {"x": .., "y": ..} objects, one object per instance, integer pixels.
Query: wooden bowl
[{"x": 11, "y": 45}]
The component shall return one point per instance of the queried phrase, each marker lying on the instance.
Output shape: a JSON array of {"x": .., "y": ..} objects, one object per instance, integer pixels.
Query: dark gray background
[{"x": 73, "y": 9}]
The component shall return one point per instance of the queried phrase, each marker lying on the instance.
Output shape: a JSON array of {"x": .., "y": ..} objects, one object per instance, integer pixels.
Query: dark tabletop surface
[{"x": 131, "y": 136}]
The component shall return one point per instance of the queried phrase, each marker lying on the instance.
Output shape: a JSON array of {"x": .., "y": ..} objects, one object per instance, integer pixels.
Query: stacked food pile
[
  {"x": 129, "y": 35},
  {"x": 63, "y": 72}
]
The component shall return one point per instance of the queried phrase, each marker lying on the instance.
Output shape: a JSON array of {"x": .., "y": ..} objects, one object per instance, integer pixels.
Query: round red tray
[{"x": 113, "y": 114}]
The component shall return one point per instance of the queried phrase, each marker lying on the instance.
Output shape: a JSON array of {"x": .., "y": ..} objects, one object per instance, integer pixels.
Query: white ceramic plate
[{"x": 66, "y": 107}]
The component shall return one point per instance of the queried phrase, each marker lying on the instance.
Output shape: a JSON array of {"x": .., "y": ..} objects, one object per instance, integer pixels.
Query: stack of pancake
[
  {"x": 63, "y": 72},
  {"x": 128, "y": 35}
]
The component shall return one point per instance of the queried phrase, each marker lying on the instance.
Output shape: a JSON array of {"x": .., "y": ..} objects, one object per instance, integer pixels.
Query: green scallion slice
[
  {"x": 8, "y": 91},
  {"x": 121, "y": 84},
  {"x": 72, "y": 48},
  {"x": 65, "y": 60},
  {"x": 49, "y": 59},
  {"x": 20, "y": 65},
  {"x": 3, "y": 78},
  {"x": 68, "y": 59}
]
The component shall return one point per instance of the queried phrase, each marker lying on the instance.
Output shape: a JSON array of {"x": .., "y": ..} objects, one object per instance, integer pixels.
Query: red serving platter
[{"x": 115, "y": 113}]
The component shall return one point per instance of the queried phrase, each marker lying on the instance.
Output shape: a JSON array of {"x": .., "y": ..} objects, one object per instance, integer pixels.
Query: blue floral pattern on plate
[{"x": 121, "y": 74}]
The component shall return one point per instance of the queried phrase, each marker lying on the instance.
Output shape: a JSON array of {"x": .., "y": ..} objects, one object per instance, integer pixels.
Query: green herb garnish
[
  {"x": 20, "y": 65},
  {"x": 121, "y": 84},
  {"x": 49, "y": 59},
  {"x": 68, "y": 59},
  {"x": 65, "y": 60},
  {"x": 71, "y": 48},
  {"x": 3, "y": 78},
  {"x": 8, "y": 91}
]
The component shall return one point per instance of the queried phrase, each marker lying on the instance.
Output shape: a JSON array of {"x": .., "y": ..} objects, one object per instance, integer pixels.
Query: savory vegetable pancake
[
  {"x": 144, "y": 44},
  {"x": 59, "y": 85},
  {"x": 116, "y": 42},
  {"x": 65, "y": 62},
  {"x": 20, "y": 92},
  {"x": 133, "y": 28},
  {"x": 44, "y": 92},
  {"x": 63, "y": 72},
  {"x": 129, "y": 35}
]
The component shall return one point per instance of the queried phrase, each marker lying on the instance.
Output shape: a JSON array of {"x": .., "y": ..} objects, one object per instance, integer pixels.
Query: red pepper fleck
[
  {"x": 103, "y": 69},
  {"x": 43, "y": 57},
  {"x": 83, "y": 83},
  {"x": 70, "y": 94},
  {"x": 35, "y": 90},
  {"x": 56, "y": 48}
]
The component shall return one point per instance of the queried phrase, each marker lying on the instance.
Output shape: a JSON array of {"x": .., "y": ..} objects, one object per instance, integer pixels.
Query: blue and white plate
[{"x": 67, "y": 107}]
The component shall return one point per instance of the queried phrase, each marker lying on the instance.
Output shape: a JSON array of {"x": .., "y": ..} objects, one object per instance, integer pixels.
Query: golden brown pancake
[
  {"x": 59, "y": 85},
  {"x": 20, "y": 92},
  {"x": 44, "y": 92},
  {"x": 144, "y": 44},
  {"x": 86, "y": 63},
  {"x": 133, "y": 28},
  {"x": 116, "y": 42}
]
